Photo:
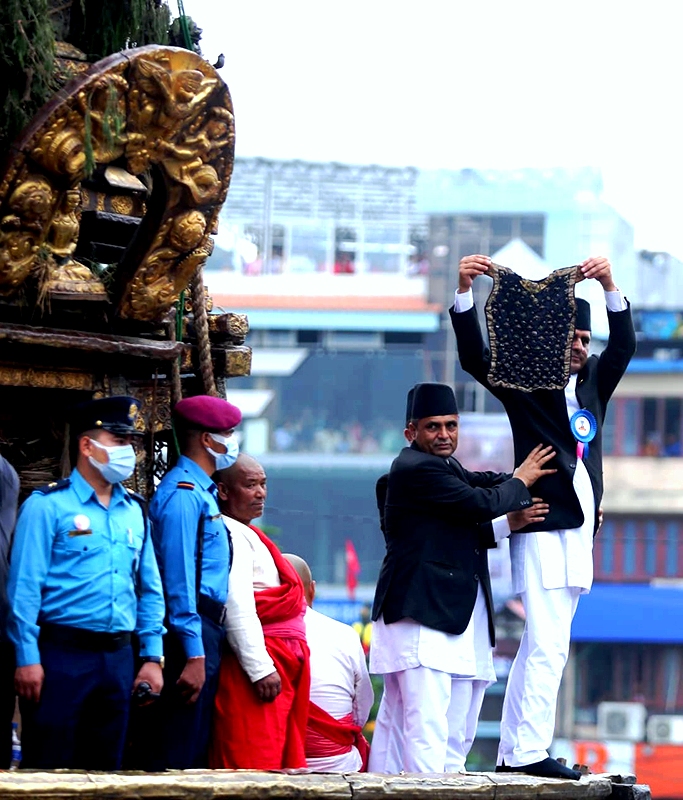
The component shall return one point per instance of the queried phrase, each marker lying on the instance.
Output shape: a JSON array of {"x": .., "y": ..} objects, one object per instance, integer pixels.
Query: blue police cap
[{"x": 119, "y": 414}]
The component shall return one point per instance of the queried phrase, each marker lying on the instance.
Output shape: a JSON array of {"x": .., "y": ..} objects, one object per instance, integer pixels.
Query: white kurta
[
  {"x": 566, "y": 556},
  {"x": 407, "y": 644},
  {"x": 434, "y": 685},
  {"x": 340, "y": 683},
  {"x": 253, "y": 569}
]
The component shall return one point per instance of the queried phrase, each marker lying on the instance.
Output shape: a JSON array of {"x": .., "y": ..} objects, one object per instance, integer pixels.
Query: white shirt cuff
[
  {"x": 463, "y": 301},
  {"x": 615, "y": 301},
  {"x": 501, "y": 528}
]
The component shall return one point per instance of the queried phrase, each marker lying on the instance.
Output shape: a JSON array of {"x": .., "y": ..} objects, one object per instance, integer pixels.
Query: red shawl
[
  {"x": 328, "y": 736},
  {"x": 250, "y": 734}
]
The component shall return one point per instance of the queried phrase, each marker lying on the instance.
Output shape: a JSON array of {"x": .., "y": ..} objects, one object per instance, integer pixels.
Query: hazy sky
[{"x": 439, "y": 83}]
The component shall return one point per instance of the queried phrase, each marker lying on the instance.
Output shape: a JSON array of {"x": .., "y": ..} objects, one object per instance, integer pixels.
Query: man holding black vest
[
  {"x": 433, "y": 609},
  {"x": 552, "y": 564}
]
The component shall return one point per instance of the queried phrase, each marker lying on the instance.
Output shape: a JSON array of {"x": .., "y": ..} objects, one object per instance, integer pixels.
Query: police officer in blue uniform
[
  {"x": 193, "y": 551},
  {"x": 83, "y": 579}
]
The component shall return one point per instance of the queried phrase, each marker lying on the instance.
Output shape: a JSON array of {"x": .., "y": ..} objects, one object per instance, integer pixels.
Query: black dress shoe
[{"x": 548, "y": 768}]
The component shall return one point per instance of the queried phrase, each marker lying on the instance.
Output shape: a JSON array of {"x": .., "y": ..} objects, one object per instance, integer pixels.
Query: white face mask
[
  {"x": 227, "y": 459},
  {"x": 121, "y": 462}
]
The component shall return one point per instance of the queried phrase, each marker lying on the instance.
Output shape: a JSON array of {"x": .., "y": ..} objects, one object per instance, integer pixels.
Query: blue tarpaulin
[{"x": 622, "y": 612}]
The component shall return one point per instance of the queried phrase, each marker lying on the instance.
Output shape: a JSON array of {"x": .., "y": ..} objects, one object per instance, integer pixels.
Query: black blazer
[
  {"x": 437, "y": 529},
  {"x": 541, "y": 416}
]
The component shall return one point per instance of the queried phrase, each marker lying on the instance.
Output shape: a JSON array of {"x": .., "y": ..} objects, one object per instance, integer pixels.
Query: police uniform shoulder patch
[
  {"x": 55, "y": 486},
  {"x": 185, "y": 485}
]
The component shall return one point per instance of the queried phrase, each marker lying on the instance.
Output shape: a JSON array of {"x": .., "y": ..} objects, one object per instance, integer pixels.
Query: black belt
[
  {"x": 211, "y": 609},
  {"x": 97, "y": 641}
]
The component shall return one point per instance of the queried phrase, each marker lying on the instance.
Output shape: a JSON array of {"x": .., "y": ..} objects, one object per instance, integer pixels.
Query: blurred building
[{"x": 346, "y": 273}]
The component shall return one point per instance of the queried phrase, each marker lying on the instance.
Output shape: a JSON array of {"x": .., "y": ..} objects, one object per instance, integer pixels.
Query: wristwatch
[{"x": 160, "y": 660}]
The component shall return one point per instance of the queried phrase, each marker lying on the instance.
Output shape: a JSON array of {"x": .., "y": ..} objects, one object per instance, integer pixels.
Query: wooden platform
[{"x": 209, "y": 784}]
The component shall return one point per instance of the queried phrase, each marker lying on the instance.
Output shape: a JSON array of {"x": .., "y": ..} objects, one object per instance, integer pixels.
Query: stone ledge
[{"x": 248, "y": 785}]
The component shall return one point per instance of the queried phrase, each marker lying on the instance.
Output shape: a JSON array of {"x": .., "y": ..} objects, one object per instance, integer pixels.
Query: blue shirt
[
  {"x": 185, "y": 495},
  {"x": 75, "y": 562}
]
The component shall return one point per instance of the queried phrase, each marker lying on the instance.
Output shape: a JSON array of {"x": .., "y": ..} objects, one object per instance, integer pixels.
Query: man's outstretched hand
[
  {"x": 599, "y": 268},
  {"x": 533, "y": 467},
  {"x": 526, "y": 516},
  {"x": 470, "y": 268}
]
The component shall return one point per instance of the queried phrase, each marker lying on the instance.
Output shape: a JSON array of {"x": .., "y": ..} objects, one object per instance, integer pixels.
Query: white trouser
[
  {"x": 436, "y": 715},
  {"x": 528, "y": 720},
  {"x": 386, "y": 753}
]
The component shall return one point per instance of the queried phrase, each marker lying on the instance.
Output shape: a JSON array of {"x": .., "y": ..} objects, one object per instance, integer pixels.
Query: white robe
[
  {"x": 253, "y": 569},
  {"x": 340, "y": 683}
]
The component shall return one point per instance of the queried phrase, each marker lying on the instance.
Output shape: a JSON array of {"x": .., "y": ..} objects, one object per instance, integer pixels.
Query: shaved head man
[
  {"x": 242, "y": 489},
  {"x": 266, "y": 672},
  {"x": 304, "y": 572},
  {"x": 341, "y": 690}
]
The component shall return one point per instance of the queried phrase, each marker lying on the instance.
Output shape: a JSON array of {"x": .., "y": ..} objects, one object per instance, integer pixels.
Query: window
[
  {"x": 672, "y": 549},
  {"x": 345, "y": 247},
  {"x": 308, "y": 248},
  {"x": 672, "y": 427},
  {"x": 277, "y": 338},
  {"x": 383, "y": 249},
  {"x": 651, "y": 547},
  {"x": 651, "y": 442},
  {"x": 609, "y": 431},
  {"x": 630, "y": 536},
  {"x": 418, "y": 260},
  {"x": 606, "y": 543},
  {"x": 251, "y": 250},
  {"x": 275, "y": 263},
  {"x": 646, "y": 426},
  {"x": 352, "y": 340},
  {"x": 629, "y": 445}
]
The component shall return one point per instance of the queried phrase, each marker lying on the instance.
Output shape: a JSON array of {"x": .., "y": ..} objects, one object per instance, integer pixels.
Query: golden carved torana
[
  {"x": 46, "y": 378},
  {"x": 162, "y": 114}
]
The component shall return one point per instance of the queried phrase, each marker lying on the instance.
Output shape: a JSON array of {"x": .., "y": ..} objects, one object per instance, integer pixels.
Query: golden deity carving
[
  {"x": 68, "y": 277},
  {"x": 22, "y": 230},
  {"x": 163, "y": 116}
]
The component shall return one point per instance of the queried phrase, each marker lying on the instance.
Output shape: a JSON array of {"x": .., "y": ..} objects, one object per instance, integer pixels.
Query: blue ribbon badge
[{"x": 584, "y": 426}]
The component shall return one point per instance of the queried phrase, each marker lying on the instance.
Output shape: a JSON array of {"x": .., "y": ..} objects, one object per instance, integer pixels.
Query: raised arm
[
  {"x": 474, "y": 355},
  {"x": 621, "y": 344}
]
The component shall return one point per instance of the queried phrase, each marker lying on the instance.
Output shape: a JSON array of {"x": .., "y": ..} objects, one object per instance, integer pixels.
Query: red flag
[{"x": 352, "y": 568}]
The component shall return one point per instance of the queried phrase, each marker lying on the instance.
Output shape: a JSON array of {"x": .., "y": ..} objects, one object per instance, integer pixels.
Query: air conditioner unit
[
  {"x": 624, "y": 721},
  {"x": 665, "y": 729}
]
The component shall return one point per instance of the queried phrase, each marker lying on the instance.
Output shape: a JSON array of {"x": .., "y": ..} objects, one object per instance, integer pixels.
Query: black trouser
[
  {"x": 81, "y": 718},
  {"x": 7, "y": 701},
  {"x": 171, "y": 733}
]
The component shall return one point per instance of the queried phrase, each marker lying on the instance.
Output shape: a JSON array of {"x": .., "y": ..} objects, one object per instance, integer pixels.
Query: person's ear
[
  {"x": 311, "y": 593},
  {"x": 85, "y": 446},
  {"x": 222, "y": 491}
]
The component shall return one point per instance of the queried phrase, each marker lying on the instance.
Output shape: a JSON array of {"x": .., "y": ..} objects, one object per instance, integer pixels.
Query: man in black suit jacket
[
  {"x": 433, "y": 609},
  {"x": 551, "y": 565}
]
